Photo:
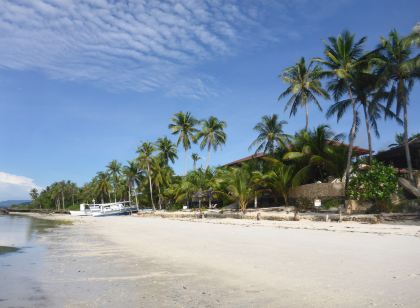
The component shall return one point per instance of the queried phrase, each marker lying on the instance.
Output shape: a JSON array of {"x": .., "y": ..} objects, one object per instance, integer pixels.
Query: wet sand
[{"x": 154, "y": 262}]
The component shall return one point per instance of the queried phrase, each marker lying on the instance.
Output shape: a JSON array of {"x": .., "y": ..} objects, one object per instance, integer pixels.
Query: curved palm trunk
[
  {"x": 129, "y": 193},
  {"x": 307, "y": 117},
  {"x": 160, "y": 198},
  {"x": 368, "y": 131},
  {"x": 351, "y": 137},
  {"x": 255, "y": 201},
  {"x": 406, "y": 146},
  {"x": 151, "y": 187}
]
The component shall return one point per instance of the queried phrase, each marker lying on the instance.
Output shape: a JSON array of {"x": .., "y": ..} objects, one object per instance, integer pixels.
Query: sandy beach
[{"x": 155, "y": 262}]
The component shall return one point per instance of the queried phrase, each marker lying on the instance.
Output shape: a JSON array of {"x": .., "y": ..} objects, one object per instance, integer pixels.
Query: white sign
[{"x": 317, "y": 202}]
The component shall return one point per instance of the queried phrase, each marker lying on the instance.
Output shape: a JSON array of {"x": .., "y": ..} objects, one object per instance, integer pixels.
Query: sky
[{"x": 85, "y": 82}]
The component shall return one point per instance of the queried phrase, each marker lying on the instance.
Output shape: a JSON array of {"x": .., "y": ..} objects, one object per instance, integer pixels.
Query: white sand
[{"x": 233, "y": 263}]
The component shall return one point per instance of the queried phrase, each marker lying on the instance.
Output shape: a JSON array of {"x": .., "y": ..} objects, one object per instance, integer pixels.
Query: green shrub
[{"x": 376, "y": 183}]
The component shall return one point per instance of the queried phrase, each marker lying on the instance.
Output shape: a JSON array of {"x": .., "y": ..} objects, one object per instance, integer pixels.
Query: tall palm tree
[
  {"x": 161, "y": 177},
  {"x": 400, "y": 69},
  {"x": 343, "y": 55},
  {"x": 167, "y": 150},
  {"x": 368, "y": 94},
  {"x": 184, "y": 125},
  {"x": 195, "y": 157},
  {"x": 114, "y": 169},
  {"x": 304, "y": 87},
  {"x": 145, "y": 160},
  {"x": 270, "y": 134},
  {"x": 212, "y": 135},
  {"x": 133, "y": 178}
]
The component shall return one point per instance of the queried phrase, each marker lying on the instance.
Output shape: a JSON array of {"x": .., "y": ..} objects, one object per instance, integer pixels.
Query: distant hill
[{"x": 8, "y": 203}]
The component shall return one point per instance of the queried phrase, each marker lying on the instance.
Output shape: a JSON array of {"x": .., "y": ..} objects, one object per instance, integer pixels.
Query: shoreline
[{"x": 153, "y": 261}]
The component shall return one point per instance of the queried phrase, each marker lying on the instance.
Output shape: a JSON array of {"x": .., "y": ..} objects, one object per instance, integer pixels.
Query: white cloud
[
  {"x": 15, "y": 187},
  {"x": 137, "y": 45}
]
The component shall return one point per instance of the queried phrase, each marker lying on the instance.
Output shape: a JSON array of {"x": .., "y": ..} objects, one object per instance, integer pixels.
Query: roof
[
  {"x": 358, "y": 151},
  {"x": 247, "y": 158}
]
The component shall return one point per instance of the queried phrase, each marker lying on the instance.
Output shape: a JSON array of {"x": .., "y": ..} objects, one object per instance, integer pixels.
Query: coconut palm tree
[
  {"x": 184, "y": 125},
  {"x": 145, "y": 160},
  {"x": 103, "y": 186},
  {"x": 304, "y": 87},
  {"x": 270, "y": 134},
  {"x": 167, "y": 150},
  {"x": 368, "y": 94},
  {"x": 400, "y": 70},
  {"x": 114, "y": 169},
  {"x": 162, "y": 175},
  {"x": 195, "y": 157},
  {"x": 133, "y": 178},
  {"x": 343, "y": 55},
  {"x": 212, "y": 135}
]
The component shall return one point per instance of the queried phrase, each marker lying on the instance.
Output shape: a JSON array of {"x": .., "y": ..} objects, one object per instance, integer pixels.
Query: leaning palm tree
[
  {"x": 195, "y": 157},
  {"x": 270, "y": 134},
  {"x": 167, "y": 150},
  {"x": 343, "y": 55},
  {"x": 399, "y": 69},
  {"x": 212, "y": 136},
  {"x": 145, "y": 160},
  {"x": 368, "y": 94},
  {"x": 114, "y": 169},
  {"x": 304, "y": 87},
  {"x": 183, "y": 125}
]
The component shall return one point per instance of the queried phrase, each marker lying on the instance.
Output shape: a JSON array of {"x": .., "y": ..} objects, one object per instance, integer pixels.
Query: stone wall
[{"x": 321, "y": 191}]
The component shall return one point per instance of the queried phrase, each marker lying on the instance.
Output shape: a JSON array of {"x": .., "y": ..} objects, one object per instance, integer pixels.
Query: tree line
[{"x": 369, "y": 84}]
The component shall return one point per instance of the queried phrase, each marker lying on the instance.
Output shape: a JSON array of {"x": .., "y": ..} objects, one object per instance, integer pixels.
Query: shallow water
[{"x": 21, "y": 260}]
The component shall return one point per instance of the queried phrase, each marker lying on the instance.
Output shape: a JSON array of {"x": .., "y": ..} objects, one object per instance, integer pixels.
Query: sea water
[{"x": 21, "y": 258}]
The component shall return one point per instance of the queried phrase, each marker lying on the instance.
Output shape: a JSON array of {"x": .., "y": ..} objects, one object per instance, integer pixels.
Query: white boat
[{"x": 105, "y": 209}]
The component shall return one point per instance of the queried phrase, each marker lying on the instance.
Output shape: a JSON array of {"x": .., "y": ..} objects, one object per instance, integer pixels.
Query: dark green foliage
[{"x": 376, "y": 183}]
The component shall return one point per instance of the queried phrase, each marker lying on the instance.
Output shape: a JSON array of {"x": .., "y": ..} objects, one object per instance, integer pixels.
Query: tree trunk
[
  {"x": 208, "y": 159},
  {"x": 255, "y": 201},
  {"x": 150, "y": 186},
  {"x": 351, "y": 136},
  {"x": 129, "y": 193},
  {"x": 160, "y": 198},
  {"x": 307, "y": 117},
  {"x": 62, "y": 197},
  {"x": 185, "y": 163},
  {"x": 406, "y": 145},
  {"x": 368, "y": 131},
  {"x": 115, "y": 193}
]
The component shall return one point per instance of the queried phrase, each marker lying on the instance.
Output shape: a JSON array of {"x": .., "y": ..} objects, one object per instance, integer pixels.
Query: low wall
[{"x": 317, "y": 190}]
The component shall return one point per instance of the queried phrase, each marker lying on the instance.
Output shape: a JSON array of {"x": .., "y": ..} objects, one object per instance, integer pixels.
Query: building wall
[{"x": 321, "y": 191}]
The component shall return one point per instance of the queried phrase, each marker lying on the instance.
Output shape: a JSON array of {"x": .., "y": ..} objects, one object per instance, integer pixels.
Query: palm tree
[
  {"x": 304, "y": 87},
  {"x": 183, "y": 125},
  {"x": 114, "y": 169},
  {"x": 145, "y": 160},
  {"x": 161, "y": 177},
  {"x": 167, "y": 150},
  {"x": 103, "y": 186},
  {"x": 239, "y": 186},
  {"x": 343, "y": 55},
  {"x": 281, "y": 178},
  {"x": 317, "y": 153},
  {"x": 133, "y": 178},
  {"x": 368, "y": 94},
  {"x": 399, "y": 69},
  {"x": 399, "y": 139},
  {"x": 270, "y": 134},
  {"x": 212, "y": 135},
  {"x": 195, "y": 157}
]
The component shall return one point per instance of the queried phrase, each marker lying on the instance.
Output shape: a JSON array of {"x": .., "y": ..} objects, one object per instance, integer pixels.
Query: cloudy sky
[{"x": 84, "y": 82}]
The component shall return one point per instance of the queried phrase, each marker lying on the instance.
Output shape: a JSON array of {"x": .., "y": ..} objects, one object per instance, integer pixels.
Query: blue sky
[{"x": 84, "y": 82}]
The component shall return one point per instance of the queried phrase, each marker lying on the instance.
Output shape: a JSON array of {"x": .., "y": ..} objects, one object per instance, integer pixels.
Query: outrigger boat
[{"x": 105, "y": 209}]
